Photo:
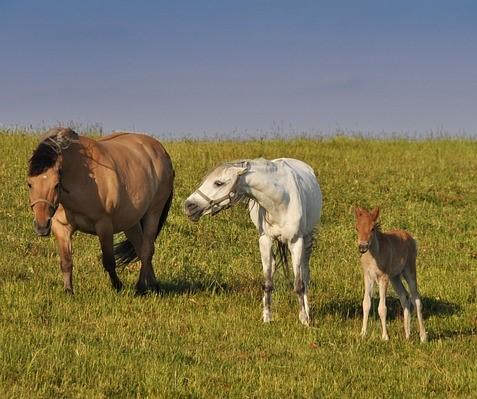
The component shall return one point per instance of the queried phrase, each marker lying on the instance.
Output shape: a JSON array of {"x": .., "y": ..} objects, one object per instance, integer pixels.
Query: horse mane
[
  {"x": 50, "y": 148},
  {"x": 377, "y": 227}
]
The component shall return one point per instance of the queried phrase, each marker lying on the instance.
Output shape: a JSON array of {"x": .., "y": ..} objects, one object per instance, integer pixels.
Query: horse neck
[
  {"x": 73, "y": 159},
  {"x": 376, "y": 243},
  {"x": 262, "y": 183}
]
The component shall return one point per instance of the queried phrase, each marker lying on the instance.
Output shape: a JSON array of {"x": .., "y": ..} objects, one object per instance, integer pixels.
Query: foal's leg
[
  {"x": 63, "y": 233},
  {"x": 368, "y": 291},
  {"x": 104, "y": 231},
  {"x": 297, "y": 250},
  {"x": 147, "y": 278},
  {"x": 382, "y": 310},
  {"x": 266, "y": 244},
  {"x": 410, "y": 277},
  {"x": 406, "y": 305}
]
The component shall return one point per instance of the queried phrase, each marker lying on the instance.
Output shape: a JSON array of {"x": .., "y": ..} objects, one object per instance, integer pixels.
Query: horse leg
[
  {"x": 266, "y": 245},
  {"x": 147, "y": 279},
  {"x": 382, "y": 310},
  {"x": 368, "y": 290},
  {"x": 410, "y": 277},
  {"x": 63, "y": 233},
  {"x": 406, "y": 305},
  {"x": 305, "y": 270},
  {"x": 298, "y": 255},
  {"x": 104, "y": 231}
]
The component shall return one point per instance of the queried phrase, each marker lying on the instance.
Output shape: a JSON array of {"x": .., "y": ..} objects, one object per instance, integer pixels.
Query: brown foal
[{"x": 387, "y": 256}]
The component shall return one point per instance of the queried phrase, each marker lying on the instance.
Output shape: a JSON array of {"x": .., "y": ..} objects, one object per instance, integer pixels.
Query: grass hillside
[{"x": 203, "y": 336}]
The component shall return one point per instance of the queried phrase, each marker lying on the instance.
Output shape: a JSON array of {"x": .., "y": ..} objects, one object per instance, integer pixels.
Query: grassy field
[{"x": 203, "y": 336}]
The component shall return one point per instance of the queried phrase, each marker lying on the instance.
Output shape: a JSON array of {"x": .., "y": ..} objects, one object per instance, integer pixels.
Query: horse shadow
[
  {"x": 352, "y": 309},
  {"x": 182, "y": 287},
  {"x": 449, "y": 334}
]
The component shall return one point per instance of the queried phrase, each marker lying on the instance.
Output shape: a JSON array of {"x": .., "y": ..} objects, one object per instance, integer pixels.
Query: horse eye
[
  {"x": 29, "y": 185},
  {"x": 218, "y": 183}
]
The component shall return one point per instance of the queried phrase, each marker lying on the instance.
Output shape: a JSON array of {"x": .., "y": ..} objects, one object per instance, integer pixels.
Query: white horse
[{"x": 284, "y": 204}]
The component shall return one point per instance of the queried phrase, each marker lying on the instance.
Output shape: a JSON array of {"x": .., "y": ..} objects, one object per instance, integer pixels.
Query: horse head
[
  {"x": 44, "y": 177},
  {"x": 366, "y": 224},
  {"x": 219, "y": 190}
]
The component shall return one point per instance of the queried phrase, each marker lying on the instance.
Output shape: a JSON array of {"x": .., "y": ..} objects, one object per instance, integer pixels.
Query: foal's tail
[{"x": 124, "y": 251}]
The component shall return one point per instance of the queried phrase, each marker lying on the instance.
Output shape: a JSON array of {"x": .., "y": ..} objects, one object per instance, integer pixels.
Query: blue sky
[{"x": 189, "y": 68}]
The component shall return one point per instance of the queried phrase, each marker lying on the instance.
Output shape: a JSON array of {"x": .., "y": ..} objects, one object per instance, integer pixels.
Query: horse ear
[
  {"x": 375, "y": 213},
  {"x": 358, "y": 211},
  {"x": 67, "y": 133},
  {"x": 243, "y": 169}
]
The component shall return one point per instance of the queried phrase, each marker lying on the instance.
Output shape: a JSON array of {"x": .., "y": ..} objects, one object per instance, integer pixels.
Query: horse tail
[
  {"x": 280, "y": 253},
  {"x": 124, "y": 251}
]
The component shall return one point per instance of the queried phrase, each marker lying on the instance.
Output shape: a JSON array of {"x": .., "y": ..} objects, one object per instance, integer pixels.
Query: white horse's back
[{"x": 304, "y": 191}]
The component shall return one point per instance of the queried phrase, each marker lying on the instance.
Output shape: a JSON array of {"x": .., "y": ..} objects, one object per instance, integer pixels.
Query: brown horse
[
  {"x": 122, "y": 182},
  {"x": 384, "y": 257}
]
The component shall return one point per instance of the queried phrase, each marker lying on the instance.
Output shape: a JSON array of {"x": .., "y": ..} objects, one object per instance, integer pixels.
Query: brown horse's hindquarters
[{"x": 124, "y": 251}]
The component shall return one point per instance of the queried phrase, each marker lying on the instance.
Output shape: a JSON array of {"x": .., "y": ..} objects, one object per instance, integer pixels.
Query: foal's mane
[
  {"x": 377, "y": 227},
  {"x": 47, "y": 152}
]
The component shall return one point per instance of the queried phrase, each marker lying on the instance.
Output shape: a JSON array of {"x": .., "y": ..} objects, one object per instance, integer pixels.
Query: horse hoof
[
  {"x": 424, "y": 338},
  {"x": 305, "y": 320}
]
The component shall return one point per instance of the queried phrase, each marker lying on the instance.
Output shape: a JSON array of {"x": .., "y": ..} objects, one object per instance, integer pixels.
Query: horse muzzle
[
  {"x": 192, "y": 210},
  {"x": 363, "y": 247},
  {"x": 43, "y": 230}
]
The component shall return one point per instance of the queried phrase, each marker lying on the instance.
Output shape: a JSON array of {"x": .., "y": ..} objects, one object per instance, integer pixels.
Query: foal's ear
[
  {"x": 358, "y": 211},
  {"x": 374, "y": 213}
]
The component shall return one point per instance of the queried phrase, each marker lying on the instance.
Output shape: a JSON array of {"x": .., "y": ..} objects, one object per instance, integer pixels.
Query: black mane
[
  {"x": 44, "y": 157},
  {"x": 46, "y": 154},
  {"x": 377, "y": 227}
]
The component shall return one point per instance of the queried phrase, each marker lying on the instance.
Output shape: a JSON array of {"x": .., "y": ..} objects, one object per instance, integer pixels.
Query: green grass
[{"x": 203, "y": 337}]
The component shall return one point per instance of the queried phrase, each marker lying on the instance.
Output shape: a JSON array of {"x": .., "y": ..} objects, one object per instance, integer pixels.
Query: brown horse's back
[
  {"x": 121, "y": 176},
  {"x": 138, "y": 150},
  {"x": 139, "y": 161}
]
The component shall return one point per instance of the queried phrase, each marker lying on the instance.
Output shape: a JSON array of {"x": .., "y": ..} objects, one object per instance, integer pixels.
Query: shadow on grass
[
  {"x": 179, "y": 287},
  {"x": 450, "y": 334},
  {"x": 15, "y": 277},
  {"x": 351, "y": 309},
  {"x": 21, "y": 276}
]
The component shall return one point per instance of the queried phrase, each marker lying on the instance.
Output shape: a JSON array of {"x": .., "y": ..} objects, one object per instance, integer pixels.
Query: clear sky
[{"x": 187, "y": 68}]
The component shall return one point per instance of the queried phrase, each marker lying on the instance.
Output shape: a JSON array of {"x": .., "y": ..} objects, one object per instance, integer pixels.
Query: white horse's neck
[{"x": 262, "y": 183}]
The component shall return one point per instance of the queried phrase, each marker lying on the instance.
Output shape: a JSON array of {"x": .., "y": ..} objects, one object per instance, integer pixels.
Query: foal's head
[
  {"x": 44, "y": 177},
  {"x": 217, "y": 191},
  {"x": 366, "y": 225}
]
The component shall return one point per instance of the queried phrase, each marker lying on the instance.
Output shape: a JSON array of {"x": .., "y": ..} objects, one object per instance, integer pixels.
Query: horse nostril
[
  {"x": 363, "y": 248},
  {"x": 190, "y": 205}
]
